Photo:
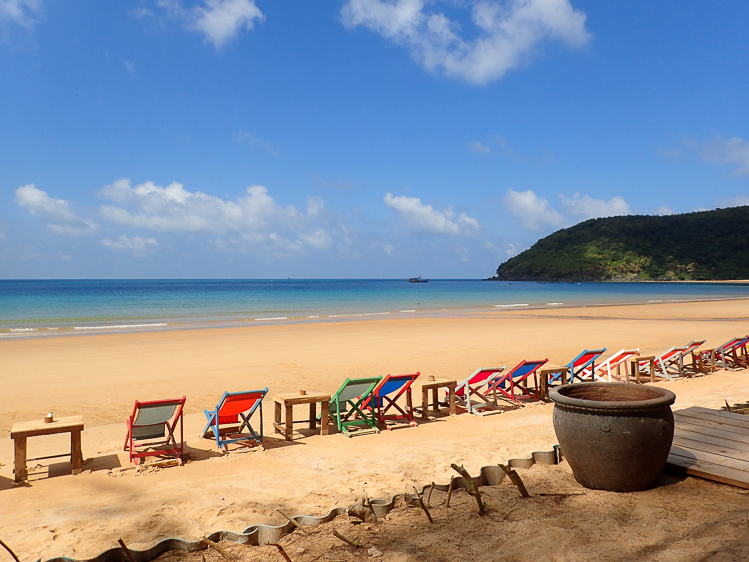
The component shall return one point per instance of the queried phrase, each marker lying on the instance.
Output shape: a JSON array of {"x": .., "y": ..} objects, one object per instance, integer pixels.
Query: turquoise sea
[{"x": 50, "y": 307}]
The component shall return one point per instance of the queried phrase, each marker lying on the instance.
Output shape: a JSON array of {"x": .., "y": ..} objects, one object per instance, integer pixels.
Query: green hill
[{"x": 702, "y": 246}]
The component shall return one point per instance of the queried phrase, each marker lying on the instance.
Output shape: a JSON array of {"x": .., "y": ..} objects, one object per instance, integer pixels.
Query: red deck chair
[
  {"x": 668, "y": 365},
  {"x": 386, "y": 395},
  {"x": 514, "y": 386},
  {"x": 477, "y": 386},
  {"x": 151, "y": 429},
  {"x": 232, "y": 415}
]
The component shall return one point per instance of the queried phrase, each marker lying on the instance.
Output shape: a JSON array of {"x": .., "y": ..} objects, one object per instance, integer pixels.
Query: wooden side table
[
  {"x": 703, "y": 360},
  {"x": 634, "y": 366},
  {"x": 434, "y": 386},
  {"x": 543, "y": 379},
  {"x": 287, "y": 401},
  {"x": 21, "y": 431}
]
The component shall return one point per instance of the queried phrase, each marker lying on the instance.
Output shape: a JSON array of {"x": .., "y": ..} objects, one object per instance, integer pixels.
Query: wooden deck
[{"x": 711, "y": 444}]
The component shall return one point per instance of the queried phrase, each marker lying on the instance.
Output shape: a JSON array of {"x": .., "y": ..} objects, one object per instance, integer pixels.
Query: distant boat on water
[{"x": 417, "y": 280}]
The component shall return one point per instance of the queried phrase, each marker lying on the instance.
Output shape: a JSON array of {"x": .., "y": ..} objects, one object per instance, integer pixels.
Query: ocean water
[{"x": 54, "y": 307}]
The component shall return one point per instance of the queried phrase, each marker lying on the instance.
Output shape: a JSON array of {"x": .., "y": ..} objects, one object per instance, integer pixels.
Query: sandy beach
[{"x": 100, "y": 377}]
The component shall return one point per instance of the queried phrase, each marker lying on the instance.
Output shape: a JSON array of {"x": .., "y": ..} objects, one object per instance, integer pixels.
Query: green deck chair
[{"x": 347, "y": 402}]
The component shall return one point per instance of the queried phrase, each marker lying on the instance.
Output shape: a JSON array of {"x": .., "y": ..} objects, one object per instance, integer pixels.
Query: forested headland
[{"x": 707, "y": 245}]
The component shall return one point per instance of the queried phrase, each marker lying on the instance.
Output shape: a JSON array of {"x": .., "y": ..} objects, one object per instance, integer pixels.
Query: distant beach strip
[{"x": 65, "y": 307}]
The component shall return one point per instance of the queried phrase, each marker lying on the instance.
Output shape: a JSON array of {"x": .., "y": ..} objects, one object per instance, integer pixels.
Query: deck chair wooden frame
[
  {"x": 152, "y": 427},
  {"x": 669, "y": 365},
  {"x": 386, "y": 395},
  {"x": 583, "y": 363},
  {"x": 604, "y": 371},
  {"x": 233, "y": 415},
  {"x": 513, "y": 385},
  {"x": 733, "y": 354},
  {"x": 347, "y": 410},
  {"x": 477, "y": 386}
]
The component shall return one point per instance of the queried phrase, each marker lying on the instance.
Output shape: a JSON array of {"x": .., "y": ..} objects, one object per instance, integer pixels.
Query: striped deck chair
[
  {"x": 513, "y": 385},
  {"x": 670, "y": 364},
  {"x": 733, "y": 354},
  {"x": 386, "y": 395},
  {"x": 151, "y": 429},
  {"x": 232, "y": 415},
  {"x": 477, "y": 387},
  {"x": 347, "y": 409},
  {"x": 667, "y": 366},
  {"x": 610, "y": 370}
]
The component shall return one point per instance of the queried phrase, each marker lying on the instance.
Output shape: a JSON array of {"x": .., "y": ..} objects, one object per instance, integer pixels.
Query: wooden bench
[{"x": 21, "y": 431}]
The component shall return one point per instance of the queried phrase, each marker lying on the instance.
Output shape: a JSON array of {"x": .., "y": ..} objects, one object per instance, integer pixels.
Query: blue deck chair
[
  {"x": 386, "y": 395},
  {"x": 347, "y": 409},
  {"x": 583, "y": 363},
  {"x": 513, "y": 385},
  {"x": 232, "y": 415}
]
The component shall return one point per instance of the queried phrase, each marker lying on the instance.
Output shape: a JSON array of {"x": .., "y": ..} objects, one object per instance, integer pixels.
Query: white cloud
[
  {"x": 727, "y": 152},
  {"x": 534, "y": 212},
  {"x": 319, "y": 239},
  {"x": 425, "y": 218},
  {"x": 664, "y": 210},
  {"x": 219, "y": 21},
  {"x": 136, "y": 245},
  {"x": 508, "y": 33},
  {"x": 585, "y": 207},
  {"x": 129, "y": 66},
  {"x": 255, "y": 216},
  {"x": 20, "y": 12},
  {"x": 463, "y": 254},
  {"x": 738, "y": 201},
  {"x": 245, "y": 138},
  {"x": 388, "y": 249},
  {"x": 58, "y": 213},
  {"x": 480, "y": 148},
  {"x": 174, "y": 209}
]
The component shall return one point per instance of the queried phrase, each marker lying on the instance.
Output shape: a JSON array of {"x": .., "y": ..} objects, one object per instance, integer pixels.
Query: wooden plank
[
  {"x": 704, "y": 459},
  {"x": 725, "y": 417},
  {"x": 710, "y": 430},
  {"x": 717, "y": 448},
  {"x": 710, "y": 422},
  {"x": 711, "y": 444},
  {"x": 718, "y": 416},
  {"x": 709, "y": 471}
]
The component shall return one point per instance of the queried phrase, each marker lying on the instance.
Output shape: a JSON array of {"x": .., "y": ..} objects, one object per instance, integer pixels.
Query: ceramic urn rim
[{"x": 662, "y": 398}]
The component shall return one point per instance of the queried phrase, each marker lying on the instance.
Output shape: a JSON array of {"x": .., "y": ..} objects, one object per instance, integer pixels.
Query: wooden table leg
[
  {"x": 324, "y": 423},
  {"x": 289, "y": 428},
  {"x": 652, "y": 370},
  {"x": 424, "y": 403},
  {"x": 20, "y": 460},
  {"x": 312, "y": 415},
  {"x": 451, "y": 392},
  {"x": 435, "y": 400},
  {"x": 277, "y": 417},
  {"x": 76, "y": 452}
]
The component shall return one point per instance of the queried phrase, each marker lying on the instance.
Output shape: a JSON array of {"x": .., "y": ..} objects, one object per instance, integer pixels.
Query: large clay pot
[{"x": 616, "y": 436}]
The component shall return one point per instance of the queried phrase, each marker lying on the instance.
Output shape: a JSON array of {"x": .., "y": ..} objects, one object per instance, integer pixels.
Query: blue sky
[{"x": 354, "y": 138}]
